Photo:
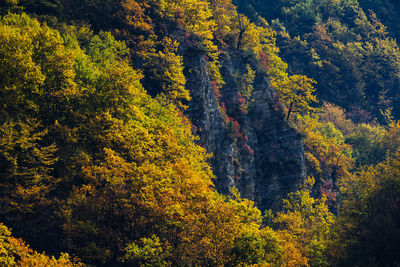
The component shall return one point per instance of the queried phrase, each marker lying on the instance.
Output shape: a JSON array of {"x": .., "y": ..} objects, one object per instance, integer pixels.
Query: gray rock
[{"x": 277, "y": 165}]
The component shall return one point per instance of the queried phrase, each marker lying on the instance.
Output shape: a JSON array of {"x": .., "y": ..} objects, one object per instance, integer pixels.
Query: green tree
[
  {"x": 367, "y": 229},
  {"x": 366, "y": 141}
]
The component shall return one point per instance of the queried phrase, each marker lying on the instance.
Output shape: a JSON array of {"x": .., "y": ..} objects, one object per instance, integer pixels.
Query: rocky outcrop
[{"x": 265, "y": 159}]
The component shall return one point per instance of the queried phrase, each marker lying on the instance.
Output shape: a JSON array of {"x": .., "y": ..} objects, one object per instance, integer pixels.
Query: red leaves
[
  {"x": 236, "y": 125},
  {"x": 223, "y": 106},
  {"x": 242, "y": 104},
  {"x": 217, "y": 93},
  {"x": 264, "y": 60},
  {"x": 326, "y": 190},
  {"x": 248, "y": 150},
  {"x": 178, "y": 13},
  {"x": 277, "y": 103},
  {"x": 241, "y": 137},
  {"x": 359, "y": 115}
]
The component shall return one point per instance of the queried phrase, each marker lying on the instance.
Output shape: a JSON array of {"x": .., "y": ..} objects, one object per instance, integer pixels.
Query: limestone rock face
[{"x": 266, "y": 164}]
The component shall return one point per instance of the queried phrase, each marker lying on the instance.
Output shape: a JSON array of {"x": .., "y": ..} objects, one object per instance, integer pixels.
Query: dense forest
[{"x": 103, "y": 163}]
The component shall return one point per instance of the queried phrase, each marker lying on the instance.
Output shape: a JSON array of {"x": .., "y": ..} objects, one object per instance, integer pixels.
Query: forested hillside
[
  {"x": 199, "y": 133},
  {"x": 344, "y": 46}
]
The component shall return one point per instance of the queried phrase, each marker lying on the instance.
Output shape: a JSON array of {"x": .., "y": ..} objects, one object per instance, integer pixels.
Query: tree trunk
[
  {"x": 240, "y": 39},
  {"x": 289, "y": 111}
]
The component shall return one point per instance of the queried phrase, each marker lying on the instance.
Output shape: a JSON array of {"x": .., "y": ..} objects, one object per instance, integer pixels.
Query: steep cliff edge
[{"x": 264, "y": 159}]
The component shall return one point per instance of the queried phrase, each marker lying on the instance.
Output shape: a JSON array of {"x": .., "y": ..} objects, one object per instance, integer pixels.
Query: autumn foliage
[{"x": 98, "y": 159}]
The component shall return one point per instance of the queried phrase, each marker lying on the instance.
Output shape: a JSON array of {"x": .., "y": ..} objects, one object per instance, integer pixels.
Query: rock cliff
[{"x": 264, "y": 159}]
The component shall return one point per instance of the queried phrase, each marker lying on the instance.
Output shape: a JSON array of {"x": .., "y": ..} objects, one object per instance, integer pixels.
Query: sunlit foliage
[
  {"x": 307, "y": 222},
  {"x": 14, "y": 252},
  {"x": 368, "y": 224},
  {"x": 97, "y": 159}
]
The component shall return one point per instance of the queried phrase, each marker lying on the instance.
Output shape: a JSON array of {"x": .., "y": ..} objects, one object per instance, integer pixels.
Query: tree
[
  {"x": 223, "y": 14},
  {"x": 338, "y": 44},
  {"x": 246, "y": 89},
  {"x": 243, "y": 23},
  {"x": 35, "y": 90},
  {"x": 336, "y": 115},
  {"x": 308, "y": 222},
  {"x": 367, "y": 231},
  {"x": 296, "y": 93},
  {"x": 367, "y": 143},
  {"x": 164, "y": 73},
  {"x": 14, "y": 252},
  {"x": 328, "y": 156},
  {"x": 264, "y": 247}
]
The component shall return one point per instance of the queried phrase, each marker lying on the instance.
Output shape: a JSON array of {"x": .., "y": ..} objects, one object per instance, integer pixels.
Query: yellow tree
[
  {"x": 391, "y": 139},
  {"x": 327, "y": 154},
  {"x": 14, "y": 252},
  {"x": 243, "y": 25},
  {"x": 308, "y": 222},
  {"x": 296, "y": 93},
  {"x": 223, "y": 13},
  {"x": 36, "y": 88},
  {"x": 164, "y": 72},
  {"x": 145, "y": 184}
]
